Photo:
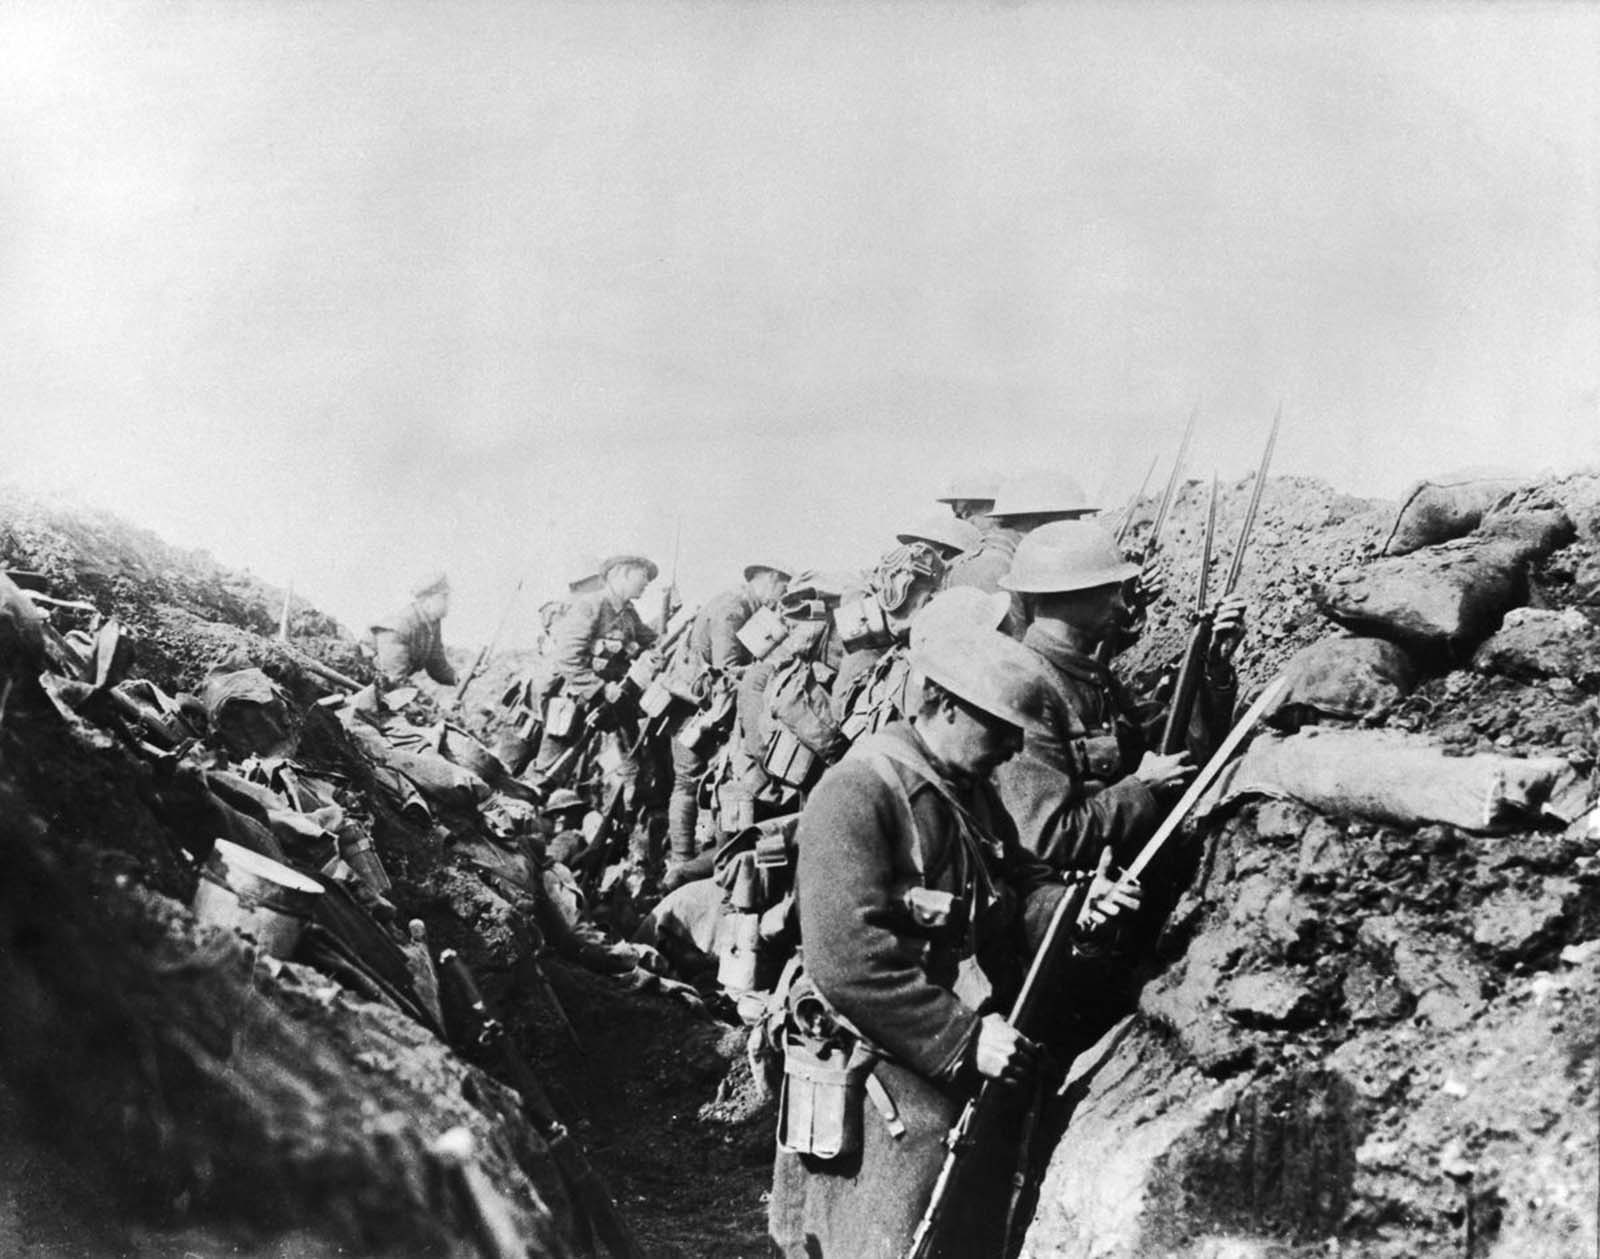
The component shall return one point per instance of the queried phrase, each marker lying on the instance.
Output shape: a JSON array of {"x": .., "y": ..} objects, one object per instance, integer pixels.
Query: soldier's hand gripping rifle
[
  {"x": 488, "y": 649},
  {"x": 1175, "y": 734},
  {"x": 1074, "y": 919}
]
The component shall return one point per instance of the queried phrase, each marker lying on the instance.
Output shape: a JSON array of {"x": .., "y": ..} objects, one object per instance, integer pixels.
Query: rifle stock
[
  {"x": 1065, "y": 921},
  {"x": 1052, "y": 951}
]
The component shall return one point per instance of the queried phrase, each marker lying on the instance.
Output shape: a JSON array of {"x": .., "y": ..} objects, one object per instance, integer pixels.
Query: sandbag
[
  {"x": 1535, "y": 643},
  {"x": 1400, "y": 778},
  {"x": 1445, "y": 596},
  {"x": 1439, "y": 510},
  {"x": 1343, "y": 678}
]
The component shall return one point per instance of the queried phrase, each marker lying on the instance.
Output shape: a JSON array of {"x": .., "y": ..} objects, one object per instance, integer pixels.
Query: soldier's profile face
[
  {"x": 632, "y": 579},
  {"x": 978, "y": 742}
]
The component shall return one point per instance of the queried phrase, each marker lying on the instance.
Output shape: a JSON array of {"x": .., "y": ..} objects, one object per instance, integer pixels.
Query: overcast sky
[{"x": 343, "y": 291}]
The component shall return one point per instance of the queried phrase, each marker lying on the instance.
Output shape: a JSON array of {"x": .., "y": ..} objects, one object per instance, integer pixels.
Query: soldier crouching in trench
[
  {"x": 410, "y": 639},
  {"x": 918, "y": 912}
]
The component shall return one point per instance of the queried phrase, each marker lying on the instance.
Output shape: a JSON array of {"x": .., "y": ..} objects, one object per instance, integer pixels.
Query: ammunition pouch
[
  {"x": 657, "y": 698},
  {"x": 822, "y": 1098},
  {"x": 561, "y": 714},
  {"x": 762, "y": 632},
  {"x": 827, "y": 1078},
  {"x": 1098, "y": 757},
  {"x": 938, "y": 915},
  {"x": 790, "y": 761},
  {"x": 863, "y": 623}
]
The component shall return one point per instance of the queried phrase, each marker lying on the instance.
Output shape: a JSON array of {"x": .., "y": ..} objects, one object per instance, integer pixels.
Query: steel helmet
[
  {"x": 989, "y": 671},
  {"x": 1039, "y": 494},
  {"x": 750, "y": 570},
  {"x": 630, "y": 557},
  {"x": 944, "y": 533},
  {"x": 1067, "y": 555},
  {"x": 562, "y": 799},
  {"x": 966, "y": 487},
  {"x": 962, "y": 607},
  {"x": 435, "y": 583}
]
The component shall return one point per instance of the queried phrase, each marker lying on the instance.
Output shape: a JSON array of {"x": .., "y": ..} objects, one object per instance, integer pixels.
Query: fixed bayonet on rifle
[
  {"x": 1203, "y": 780},
  {"x": 671, "y": 592},
  {"x": 1133, "y": 503},
  {"x": 1153, "y": 542},
  {"x": 1187, "y": 689},
  {"x": 488, "y": 647},
  {"x": 1176, "y": 731},
  {"x": 1072, "y": 918}
]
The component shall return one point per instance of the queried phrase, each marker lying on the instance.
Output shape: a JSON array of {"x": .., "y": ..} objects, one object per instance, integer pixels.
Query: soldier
[
  {"x": 882, "y": 696},
  {"x": 714, "y": 657},
  {"x": 592, "y": 646},
  {"x": 410, "y": 640},
  {"x": 806, "y": 659},
  {"x": 903, "y": 581},
  {"x": 970, "y": 497},
  {"x": 918, "y": 910},
  {"x": 1021, "y": 506},
  {"x": 1088, "y": 780},
  {"x": 948, "y": 536}
]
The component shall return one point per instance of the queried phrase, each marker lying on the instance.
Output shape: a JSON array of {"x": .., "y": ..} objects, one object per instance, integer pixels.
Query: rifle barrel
[
  {"x": 1204, "y": 583},
  {"x": 1237, "y": 566},
  {"x": 1172, "y": 484},
  {"x": 1133, "y": 503}
]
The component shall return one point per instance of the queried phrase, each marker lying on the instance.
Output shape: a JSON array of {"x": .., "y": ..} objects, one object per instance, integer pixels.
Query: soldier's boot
[{"x": 682, "y": 813}]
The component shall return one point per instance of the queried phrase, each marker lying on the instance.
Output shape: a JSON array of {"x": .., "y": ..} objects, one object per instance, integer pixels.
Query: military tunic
[
  {"x": 887, "y": 816},
  {"x": 591, "y": 645},
  {"x": 590, "y": 621},
  {"x": 713, "y": 648},
  {"x": 714, "y": 637},
  {"x": 408, "y": 641},
  {"x": 1073, "y": 791}
]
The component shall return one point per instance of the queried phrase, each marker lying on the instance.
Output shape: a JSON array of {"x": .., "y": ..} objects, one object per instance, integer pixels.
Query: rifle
[
  {"x": 1109, "y": 646},
  {"x": 672, "y": 585},
  {"x": 595, "y": 859},
  {"x": 1133, "y": 503},
  {"x": 483, "y": 656},
  {"x": 1153, "y": 542},
  {"x": 1072, "y": 918},
  {"x": 559, "y": 768},
  {"x": 589, "y": 1193},
  {"x": 1176, "y": 731}
]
